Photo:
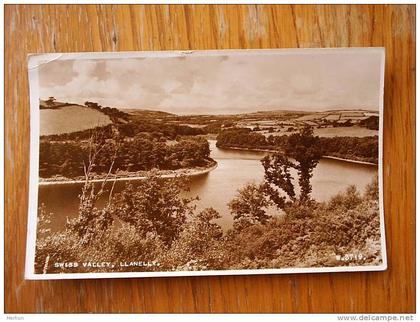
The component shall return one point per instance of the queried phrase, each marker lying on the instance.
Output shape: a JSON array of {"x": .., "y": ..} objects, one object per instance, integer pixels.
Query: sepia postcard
[{"x": 185, "y": 163}]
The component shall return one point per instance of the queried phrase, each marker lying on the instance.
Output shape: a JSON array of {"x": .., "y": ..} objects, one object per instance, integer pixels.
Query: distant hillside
[
  {"x": 59, "y": 118},
  {"x": 275, "y": 112},
  {"x": 148, "y": 113},
  {"x": 337, "y": 115}
]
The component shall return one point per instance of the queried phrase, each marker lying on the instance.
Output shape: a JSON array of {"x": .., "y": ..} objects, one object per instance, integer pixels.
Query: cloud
[
  {"x": 57, "y": 72},
  {"x": 219, "y": 84},
  {"x": 303, "y": 84}
]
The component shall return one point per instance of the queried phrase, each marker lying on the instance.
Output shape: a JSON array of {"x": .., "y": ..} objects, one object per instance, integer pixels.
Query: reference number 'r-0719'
[{"x": 350, "y": 257}]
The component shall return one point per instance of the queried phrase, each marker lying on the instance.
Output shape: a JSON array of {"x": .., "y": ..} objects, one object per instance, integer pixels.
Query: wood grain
[{"x": 77, "y": 28}]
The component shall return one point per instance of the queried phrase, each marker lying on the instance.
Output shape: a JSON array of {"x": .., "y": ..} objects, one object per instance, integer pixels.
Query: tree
[
  {"x": 241, "y": 137},
  {"x": 372, "y": 122},
  {"x": 304, "y": 147},
  {"x": 302, "y": 152},
  {"x": 50, "y": 101},
  {"x": 92, "y": 222},
  {"x": 89, "y": 229},
  {"x": 199, "y": 244},
  {"x": 277, "y": 173},
  {"x": 249, "y": 205},
  {"x": 155, "y": 206},
  {"x": 92, "y": 105}
]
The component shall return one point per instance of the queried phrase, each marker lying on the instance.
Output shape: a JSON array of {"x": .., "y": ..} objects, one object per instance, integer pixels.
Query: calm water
[{"x": 216, "y": 188}]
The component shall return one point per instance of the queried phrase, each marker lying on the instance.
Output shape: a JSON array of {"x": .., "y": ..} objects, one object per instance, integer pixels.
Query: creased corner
[{"x": 38, "y": 60}]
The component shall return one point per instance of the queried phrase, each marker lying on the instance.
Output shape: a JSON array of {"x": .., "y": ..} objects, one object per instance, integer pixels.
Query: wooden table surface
[{"x": 78, "y": 28}]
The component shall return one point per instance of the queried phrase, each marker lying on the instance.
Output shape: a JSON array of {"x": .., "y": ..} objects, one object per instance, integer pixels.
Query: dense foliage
[
  {"x": 250, "y": 205},
  {"x": 353, "y": 148},
  {"x": 372, "y": 122},
  {"x": 242, "y": 138},
  {"x": 141, "y": 153},
  {"x": 157, "y": 129},
  {"x": 343, "y": 231},
  {"x": 112, "y": 112}
]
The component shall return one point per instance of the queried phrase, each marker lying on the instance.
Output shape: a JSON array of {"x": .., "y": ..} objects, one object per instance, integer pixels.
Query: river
[{"x": 216, "y": 188}]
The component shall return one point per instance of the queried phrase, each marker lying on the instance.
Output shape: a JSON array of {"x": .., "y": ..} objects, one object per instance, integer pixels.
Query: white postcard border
[{"x": 36, "y": 61}]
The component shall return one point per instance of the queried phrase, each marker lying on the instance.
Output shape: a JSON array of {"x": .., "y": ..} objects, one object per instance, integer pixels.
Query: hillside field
[{"x": 71, "y": 118}]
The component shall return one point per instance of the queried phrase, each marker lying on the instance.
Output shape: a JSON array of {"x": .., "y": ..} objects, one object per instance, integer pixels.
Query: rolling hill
[{"x": 66, "y": 118}]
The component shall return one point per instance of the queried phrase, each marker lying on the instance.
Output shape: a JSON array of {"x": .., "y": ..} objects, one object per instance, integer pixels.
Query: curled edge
[{"x": 38, "y": 60}]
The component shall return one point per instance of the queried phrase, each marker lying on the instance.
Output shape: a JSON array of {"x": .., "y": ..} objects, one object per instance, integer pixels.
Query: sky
[{"x": 224, "y": 83}]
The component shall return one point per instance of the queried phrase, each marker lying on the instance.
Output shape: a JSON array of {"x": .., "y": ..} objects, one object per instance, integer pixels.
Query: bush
[
  {"x": 198, "y": 246},
  {"x": 249, "y": 206},
  {"x": 311, "y": 235}
]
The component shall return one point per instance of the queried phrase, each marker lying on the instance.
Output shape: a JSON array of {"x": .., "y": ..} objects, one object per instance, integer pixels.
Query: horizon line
[{"x": 318, "y": 110}]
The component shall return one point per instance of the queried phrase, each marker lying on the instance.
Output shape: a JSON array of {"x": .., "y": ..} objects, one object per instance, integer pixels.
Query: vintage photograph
[{"x": 206, "y": 163}]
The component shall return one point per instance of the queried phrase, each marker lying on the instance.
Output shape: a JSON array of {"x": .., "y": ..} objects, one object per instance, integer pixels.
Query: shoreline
[
  {"x": 349, "y": 160},
  {"x": 324, "y": 157},
  {"x": 245, "y": 149},
  {"x": 192, "y": 172}
]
